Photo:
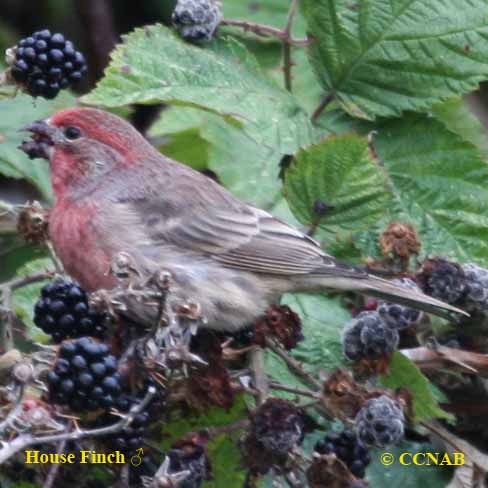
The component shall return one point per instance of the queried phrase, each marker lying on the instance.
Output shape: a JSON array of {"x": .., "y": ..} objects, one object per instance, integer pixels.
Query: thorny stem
[
  {"x": 294, "y": 365},
  {"x": 287, "y": 60},
  {"x": 53, "y": 471},
  {"x": 322, "y": 106},
  {"x": 274, "y": 385},
  {"x": 7, "y": 315},
  {"x": 264, "y": 31},
  {"x": 24, "y": 440}
]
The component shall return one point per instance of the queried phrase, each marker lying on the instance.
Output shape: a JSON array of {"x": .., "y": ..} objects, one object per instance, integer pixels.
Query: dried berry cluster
[
  {"x": 465, "y": 286},
  {"x": 197, "y": 20},
  {"x": 374, "y": 334}
]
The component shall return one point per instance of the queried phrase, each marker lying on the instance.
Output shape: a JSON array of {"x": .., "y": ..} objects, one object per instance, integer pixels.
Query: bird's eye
[{"x": 72, "y": 133}]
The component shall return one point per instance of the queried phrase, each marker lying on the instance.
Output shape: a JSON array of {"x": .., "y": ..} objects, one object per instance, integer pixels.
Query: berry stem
[
  {"x": 274, "y": 385},
  {"x": 257, "y": 366},
  {"x": 322, "y": 106},
  {"x": 263, "y": 30},
  {"x": 287, "y": 59},
  {"x": 22, "y": 441},
  {"x": 294, "y": 365}
]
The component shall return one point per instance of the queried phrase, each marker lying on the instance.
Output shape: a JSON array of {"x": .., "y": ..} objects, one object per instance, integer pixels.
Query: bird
[{"x": 116, "y": 193}]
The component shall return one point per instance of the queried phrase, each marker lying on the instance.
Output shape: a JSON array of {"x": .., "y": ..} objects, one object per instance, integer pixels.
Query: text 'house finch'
[{"x": 115, "y": 193}]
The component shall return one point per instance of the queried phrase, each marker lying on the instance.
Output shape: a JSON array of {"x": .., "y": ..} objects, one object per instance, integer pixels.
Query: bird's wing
[{"x": 197, "y": 215}]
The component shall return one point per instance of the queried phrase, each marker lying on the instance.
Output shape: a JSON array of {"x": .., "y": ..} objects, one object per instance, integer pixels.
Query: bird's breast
[{"x": 80, "y": 246}]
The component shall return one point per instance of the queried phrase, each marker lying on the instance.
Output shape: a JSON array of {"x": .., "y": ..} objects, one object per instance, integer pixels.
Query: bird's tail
[{"x": 392, "y": 292}]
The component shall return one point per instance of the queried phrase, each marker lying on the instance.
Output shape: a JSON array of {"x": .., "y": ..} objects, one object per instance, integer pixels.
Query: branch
[
  {"x": 294, "y": 365},
  {"x": 274, "y": 385},
  {"x": 257, "y": 366},
  {"x": 24, "y": 440},
  {"x": 7, "y": 315},
  {"x": 263, "y": 30},
  {"x": 287, "y": 60},
  {"x": 54, "y": 469}
]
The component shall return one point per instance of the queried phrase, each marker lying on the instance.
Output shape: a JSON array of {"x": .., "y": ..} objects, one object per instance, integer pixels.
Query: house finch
[{"x": 115, "y": 193}]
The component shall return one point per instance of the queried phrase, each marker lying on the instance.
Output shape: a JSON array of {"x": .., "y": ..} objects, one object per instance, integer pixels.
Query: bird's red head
[{"x": 83, "y": 145}]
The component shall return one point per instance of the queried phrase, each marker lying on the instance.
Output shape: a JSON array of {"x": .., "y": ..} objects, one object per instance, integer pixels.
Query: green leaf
[
  {"x": 16, "y": 113},
  {"x": 25, "y": 298},
  {"x": 341, "y": 172},
  {"x": 399, "y": 476},
  {"x": 380, "y": 57},
  {"x": 223, "y": 452},
  {"x": 439, "y": 183},
  {"x": 153, "y": 65},
  {"x": 187, "y": 147},
  {"x": 323, "y": 319},
  {"x": 403, "y": 373},
  {"x": 458, "y": 118},
  {"x": 248, "y": 169}
]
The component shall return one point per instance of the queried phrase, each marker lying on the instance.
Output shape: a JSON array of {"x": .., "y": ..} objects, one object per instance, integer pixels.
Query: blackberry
[
  {"x": 398, "y": 316},
  {"x": 278, "y": 425},
  {"x": 476, "y": 287},
  {"x": 84, "y": 376},
  {"x": 348, "y": 448},
  {"x": 380, "y": 422},
  {"x": 197, "y": 20},
  {"x": 130, "y": 438},
  {"x": 63, "y": 312},
  {"x": 367, "y": 337},
  {"x": 46, "y": 63},
  {"x": 443, "y": 280}
]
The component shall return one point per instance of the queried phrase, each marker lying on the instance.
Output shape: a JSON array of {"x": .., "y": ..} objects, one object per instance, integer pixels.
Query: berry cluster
[
  {"x": 348, "y": 448},
  {"x": 197, "y": 20},
  {"x": 465, "y": 285},
  {"x": 368, "y": 337},
  {"x": 130, "y": 438},
  {"x": 380, "y": 422},
  {"x": 63, "y": 312},
  {"x": 374, "y": 333},
  {"x": 443, "y": 280},
  {"x": 476, "y": 287},
  {"x": 46, "y": 63},
  {"x": 278, "y": 425},
  {"x": 84, "y": 376},
  {"x": 398, "y": 316}
]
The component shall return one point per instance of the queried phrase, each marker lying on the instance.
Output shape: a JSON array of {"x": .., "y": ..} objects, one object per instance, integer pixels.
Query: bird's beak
[{"x": 42, "y": 139}]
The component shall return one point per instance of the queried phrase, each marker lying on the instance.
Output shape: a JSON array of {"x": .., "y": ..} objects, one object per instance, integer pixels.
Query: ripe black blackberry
[
  {"x": 380, "y": 422},
  {"x": 398, "y": 316},
  {"x": 197, "y": 20},
  {"x": 130, "y": 438},
  {"x": 476, "y": 287},
  {"x": 367, "y": 336},
  {"x": 348, "y": 448},
  {"x": 63, "y": 312},
  {"x": 45, "y": 63},
  {"x": 84, "y": 376}
]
